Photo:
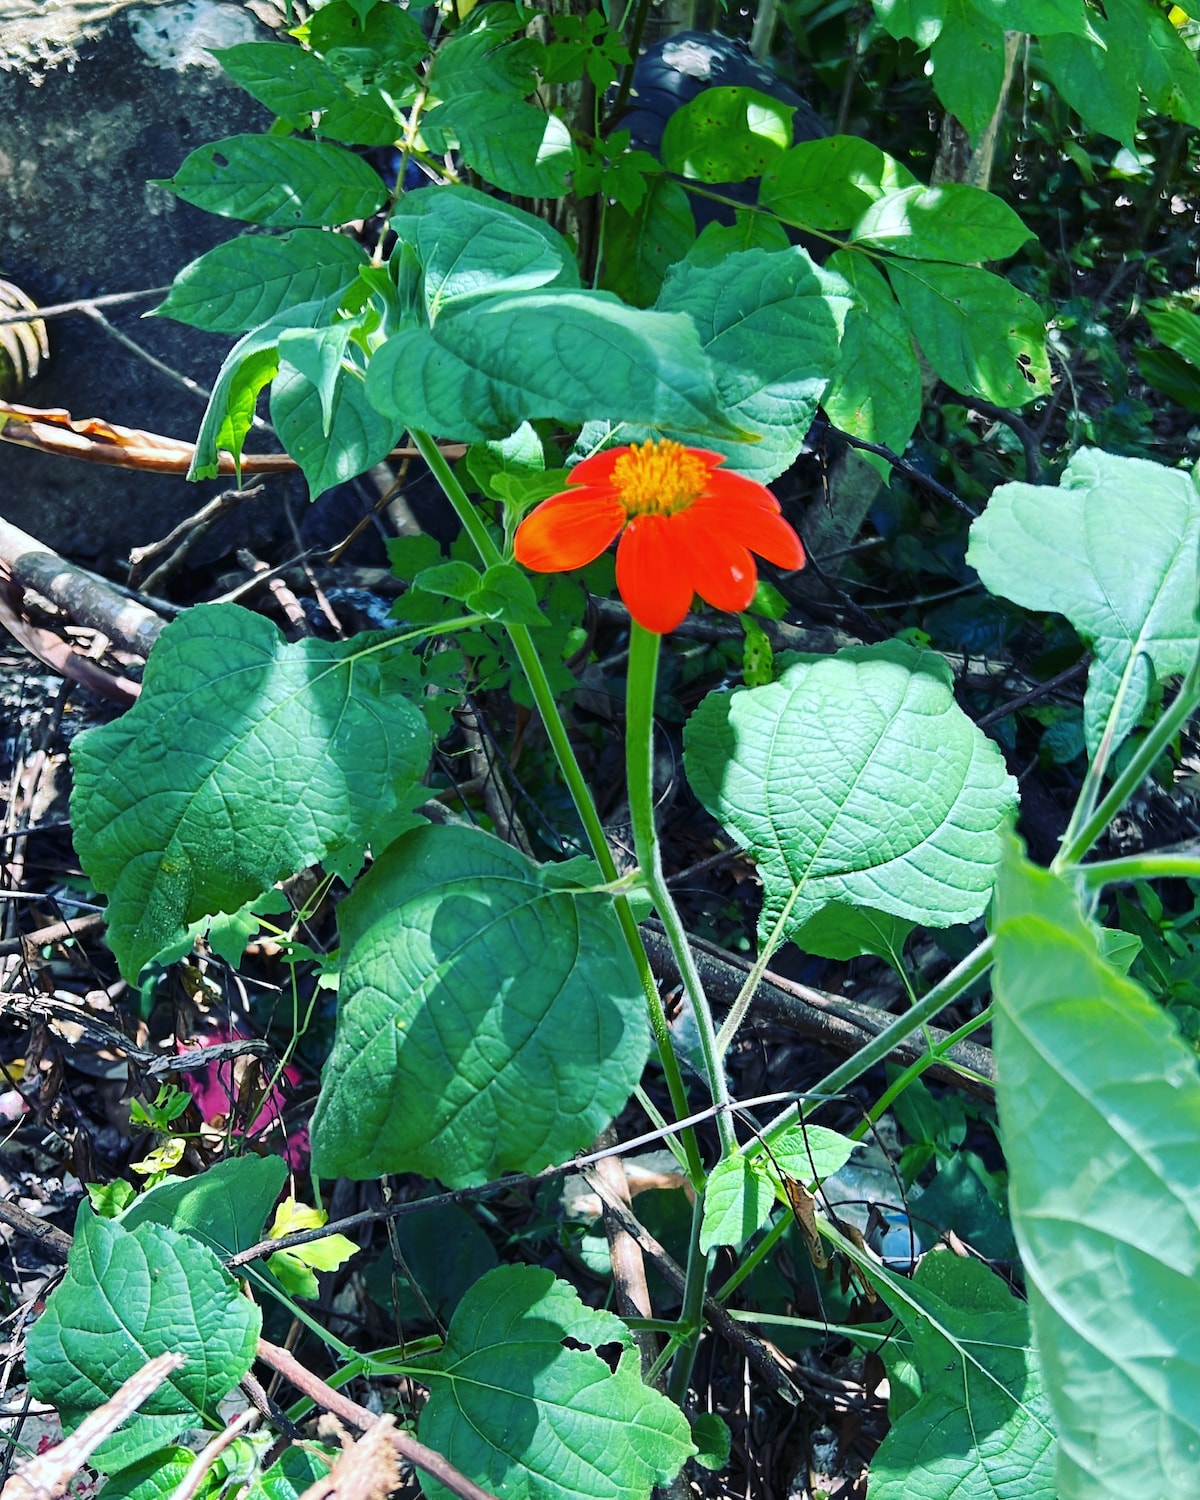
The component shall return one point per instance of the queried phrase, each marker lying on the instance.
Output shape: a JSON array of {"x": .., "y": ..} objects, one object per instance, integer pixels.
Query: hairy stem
[{"x": 568, "y": 763}]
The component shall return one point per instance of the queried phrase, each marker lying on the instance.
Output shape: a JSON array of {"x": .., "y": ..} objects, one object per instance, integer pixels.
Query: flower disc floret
[{"x": 687, "y": 527}]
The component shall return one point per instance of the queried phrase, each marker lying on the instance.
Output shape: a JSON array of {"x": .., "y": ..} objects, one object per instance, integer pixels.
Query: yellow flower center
[{"x": 658, "y": 478}]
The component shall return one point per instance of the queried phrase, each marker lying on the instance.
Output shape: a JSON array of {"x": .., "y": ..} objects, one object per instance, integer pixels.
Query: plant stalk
[{"x": 568, "y": 763}]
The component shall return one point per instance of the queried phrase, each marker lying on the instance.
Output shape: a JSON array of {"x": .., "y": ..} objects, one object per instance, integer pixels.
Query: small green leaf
[
  {"x": 1099, "y": 82},
  {"x": 726, "y": 135},
  {"x": 108, "y": 1199},
  {"x": 281, "y": 75},
  {"x": 641, "y": 243},
  {"x": 831, "y": 183},
  {"x": 454, "y": 580},
  {"x": 249, "y": 281},
  {"x": 487, "y": 1022},
  {"x": 1037, "y": 17},
  {"x": 294, "y": 1472},
  {"x": 758, "y": 659},
  {"x": 712, "y": 1438},
  {"x": 473, "y": 246},
  {"x": 244, "y": 760},
  {"x": 855, "y": 778},
  {"x": 225, "y": 1207},
  {"x": 127, "y": 1297},
  {"x": 968, "y": 66},
  {"x": 517, "y": 146},
  {"x": 953, "y": 222},
  {"x": 875, "y": 393},
  {"x": 742, "y": 1190},
  {"x": 1115, "y": 549},
  {"x": 446, "y": 1253},
  {"x": 159, "y": 1476},
  {"x": 918, "y": 20},
  {"x": 506, "y": 594},
  {"x": 333, "y": 436},
  {"x": 843, "y": 932},
  {"x": 279, "y": 181},
  {"x": 1108, "y": 1222},
  {"x": 521, "y": 1413},
  {"x": 572, "y": 356},
  {"x": 749, "y": 231},
  {"x": 980, "y": 334},
  {"x": 770, "y": 322},
  {"x": 981, "y": 1427}
]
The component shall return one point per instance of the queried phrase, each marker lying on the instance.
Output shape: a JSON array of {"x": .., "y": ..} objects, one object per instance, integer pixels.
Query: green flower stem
[
  {"x": 1076, "y": 845},
  {"x": 944, "y": 993},
  {"x": 639, "y": 775},
  {"x": 691, "y": 1315},
  {"x": 543, "y": 697},
  {"x": 1165, "y": 866}
]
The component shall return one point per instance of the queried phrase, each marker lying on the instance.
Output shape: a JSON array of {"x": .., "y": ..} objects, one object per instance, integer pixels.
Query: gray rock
[{"x": 96, "y": 98}]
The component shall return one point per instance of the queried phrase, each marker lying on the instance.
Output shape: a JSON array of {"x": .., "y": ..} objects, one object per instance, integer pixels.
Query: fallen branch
[
  {"x": 416, "y": 1452},
  {"x": 832, "y": 1020},
  {"x": 93, "y": 440},
  {"x": 48, "y": 1475}
]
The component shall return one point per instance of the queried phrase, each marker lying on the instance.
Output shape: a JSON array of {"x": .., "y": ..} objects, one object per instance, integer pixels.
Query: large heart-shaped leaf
[
  {"x": 526, "y": 1416},
  {"x": 489, "y": 1020},
  {"x": 855, "y": 778},
  {"x": 770, "y": 322},
  {"x": 128, "y": 1296},
  {"x": 573, "y": 356},
  {"x": 1100, "y": 1114},
  {"x": 244, "y": 760},
  {"x": 981, "y": 1427},
  {"x": 1115, "y": 549}
]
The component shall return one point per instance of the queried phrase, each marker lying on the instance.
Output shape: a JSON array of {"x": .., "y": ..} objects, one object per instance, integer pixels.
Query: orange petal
[
  {"x": 567, "y": 531},
  {"x": 656, "y": 590},
  {"x": 739, "y": 490},
  {"x": 753, "y": 526},
  {"x": 721, "y": 570},
  {"x": 598, "y": 469}
]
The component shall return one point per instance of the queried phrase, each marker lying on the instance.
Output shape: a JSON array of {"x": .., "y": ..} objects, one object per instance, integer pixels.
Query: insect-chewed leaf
[{"x": 23, "y": 346}]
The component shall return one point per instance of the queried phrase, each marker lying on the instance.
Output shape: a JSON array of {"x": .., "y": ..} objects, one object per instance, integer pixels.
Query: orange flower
[{"x": 686, "y": 528}]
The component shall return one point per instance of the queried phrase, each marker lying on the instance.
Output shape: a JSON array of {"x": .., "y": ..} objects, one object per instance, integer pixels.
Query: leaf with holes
[
  {"x": 244, "y": 760},
  {"x": 489, "y": 1020},
  {"x": 525, "y": 1414},
  {"x": 855, "y": 778}
]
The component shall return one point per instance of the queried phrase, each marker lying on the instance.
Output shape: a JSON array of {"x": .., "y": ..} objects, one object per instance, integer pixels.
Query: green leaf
[
  {"x": 855, "y": 778},
  {"x": 127, "y": 1297},
  {"x": 522, "y": 1414},
  {"x": 281, "y": 75},
  {"x": 446, "y": 1253},
  {"x": 295, "y": 1471},
  {"x": 713, "y": 1440},
  {"x": 517, "y": 146},
  {"x": 108, "y": 1199},
  {"x": 570, "y": 356},
  {"x": 770, "y": 322},
  {"x": 1098, "y": 82},
  {"x": 244, "y": 760},
  {"x": 742, "y": 1190},
  {"x": 481, "y": 58},
  {"x": 159, "y": 1476},
  {"x": 278, "y": 181},
  {"x": 979, "y": 333},
  {"x": 225, "y": 1207},
  {"x": 1116, "y": 550},
  {"x": 981, "y": 1428},
  {"x": 749, "y": 231},
  {"x": 1108, "y": 1222},
  {"x": 383, "y": 45},
  {"x": 844, "y": 932},
  {"x": 473, "y": 246},
  {"x": 726, "y": 135},
  {"x": 640, "y": 245},
  {"x": 487, "y": 1022},
  {"x": 355, "y": 437},
  {"x": 918, "y": 20},
  {"x": 953, "y": 222},
  {"x": 367, "y": 119},
  {"x": 1167, "y": 72},
  {"x": 1177, "y": 327},
  {"x": 968, "y": 66},
  {"x": 875, "y": 393},
  {"x": 1037, "y": 17},
  {"x": 830, "y": 184},
  {"x": 506, "y": 594},
  {"x": 249, "y": 281}
]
